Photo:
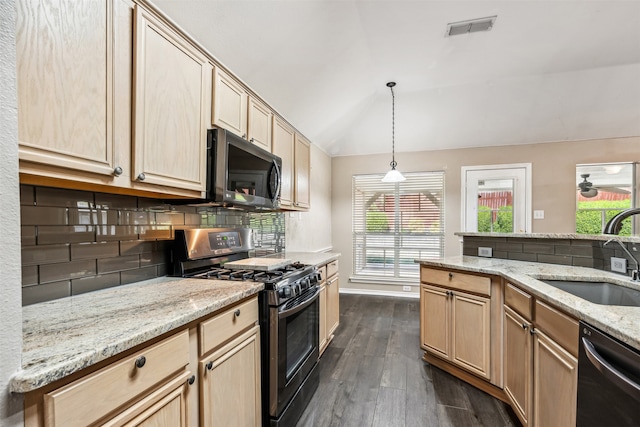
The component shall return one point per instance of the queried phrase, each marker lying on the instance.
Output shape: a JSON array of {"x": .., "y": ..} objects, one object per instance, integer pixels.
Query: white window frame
[{"x": 359, "y": 233}]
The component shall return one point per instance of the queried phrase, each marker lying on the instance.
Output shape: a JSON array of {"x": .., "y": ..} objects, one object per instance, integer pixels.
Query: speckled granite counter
[
  {"x": 63, "y": 336},
  {"x": 570, "y": 236},
  {"x": 620, "y": 321},
  {"x": 314, "y": 258}
]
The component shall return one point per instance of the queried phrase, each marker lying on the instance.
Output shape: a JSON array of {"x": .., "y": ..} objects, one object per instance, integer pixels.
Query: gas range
[{"x": 203, "y": 253}]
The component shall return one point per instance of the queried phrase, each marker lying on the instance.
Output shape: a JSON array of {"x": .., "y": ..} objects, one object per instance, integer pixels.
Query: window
[
  {"x": 395, "y": 223},
  {"x": 604, "y": 190}
]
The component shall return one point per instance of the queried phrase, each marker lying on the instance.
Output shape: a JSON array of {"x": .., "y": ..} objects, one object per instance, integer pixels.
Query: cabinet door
[
  {"x": 64, "y": 77},
  {"x": 259, "y": 124},
  {"x": 434, "y": 320},
  {"x": 333, "y": 304},
  {"x": 230, "y": 104},
  {"x": 518, "y": 355},
  {"x": 230, "y": 383},
  {"x": 471, "y": 333},
  {"x": 323, "y": 338},
  {"x": 555, "y": 383},
  {"x": 172, "y": 98},
  {"x": 166, "y": 407},
  {"x": 283, "y": 146},
  {"x": 302, "y": 169}
]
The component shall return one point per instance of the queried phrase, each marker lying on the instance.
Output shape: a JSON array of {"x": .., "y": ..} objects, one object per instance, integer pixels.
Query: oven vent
[{"x": 470, "y": 26}]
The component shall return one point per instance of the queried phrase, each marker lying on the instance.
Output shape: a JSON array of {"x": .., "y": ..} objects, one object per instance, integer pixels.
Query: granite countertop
[
  {"x": 312, "y": 258},
  {"x": 63, "y": 336},
  {"x": 570, "y": 236},
  {"x": 622, "y": 322}
]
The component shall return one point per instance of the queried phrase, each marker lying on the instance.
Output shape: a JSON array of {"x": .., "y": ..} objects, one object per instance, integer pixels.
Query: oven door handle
[
  {"x": 297, "y": 308},
  {"x": 609, "y": 372}
]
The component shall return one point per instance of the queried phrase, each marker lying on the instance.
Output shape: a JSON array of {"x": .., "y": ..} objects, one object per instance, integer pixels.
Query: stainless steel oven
[
  {"x": 292, "y": 336},
  {"x": 608, "y": 381}
]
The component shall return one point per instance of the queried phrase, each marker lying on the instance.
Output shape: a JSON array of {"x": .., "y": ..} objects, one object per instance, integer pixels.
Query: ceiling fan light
[
  {"x": 591, "y": 192},
  {"x": 393, "y": 176}
]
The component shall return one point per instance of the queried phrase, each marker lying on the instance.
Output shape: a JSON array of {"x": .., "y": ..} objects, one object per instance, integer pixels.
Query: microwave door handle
[{"x": 274, "y": 193}]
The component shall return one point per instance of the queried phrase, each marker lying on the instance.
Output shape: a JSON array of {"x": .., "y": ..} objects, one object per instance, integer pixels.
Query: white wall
[
  {"x": 553, "y": 182},
  {"x": 311, "y": 231},
  {"x": 10, "y": 272}
]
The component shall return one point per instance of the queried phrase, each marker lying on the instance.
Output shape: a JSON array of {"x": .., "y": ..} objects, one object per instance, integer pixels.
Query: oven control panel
[{"x": 226, "y": 240}]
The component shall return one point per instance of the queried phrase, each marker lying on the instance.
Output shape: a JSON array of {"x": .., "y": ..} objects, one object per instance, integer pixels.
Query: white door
[{"x": 496, "y": 198}]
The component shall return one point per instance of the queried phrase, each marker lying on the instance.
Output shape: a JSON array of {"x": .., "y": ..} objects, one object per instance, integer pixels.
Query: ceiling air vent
[{"x": 470, "y": 26}]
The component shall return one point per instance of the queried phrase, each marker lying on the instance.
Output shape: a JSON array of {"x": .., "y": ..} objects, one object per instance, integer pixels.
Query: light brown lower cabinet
[
  {"x": 157, "y": 386},
  {"x": 230, "y": 383},
  {"x": 540, "y": 364},
  {"x": 329, "y": 303}
]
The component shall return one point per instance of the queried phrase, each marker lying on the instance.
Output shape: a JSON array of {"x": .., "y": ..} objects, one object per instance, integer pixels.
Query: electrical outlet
[
  {"x": 406, "y": 288},
  {"x": 485, "y": 252},
  {"x": 538, "y": 214},
  {"x": 619, "y": 265}
]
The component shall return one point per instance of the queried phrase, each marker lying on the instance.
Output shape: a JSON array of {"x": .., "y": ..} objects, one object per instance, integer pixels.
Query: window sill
[{"x": 392, "y": 281}]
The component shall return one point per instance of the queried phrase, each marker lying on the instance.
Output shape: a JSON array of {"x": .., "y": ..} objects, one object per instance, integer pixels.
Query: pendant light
[{"x": 393, "y": 175}]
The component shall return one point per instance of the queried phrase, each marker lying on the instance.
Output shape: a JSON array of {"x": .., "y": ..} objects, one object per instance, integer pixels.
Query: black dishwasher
[{"x": 608, "y": 381}]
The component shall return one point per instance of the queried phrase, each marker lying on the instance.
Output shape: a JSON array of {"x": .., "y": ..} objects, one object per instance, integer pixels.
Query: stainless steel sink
[{"x": 599, "y": 292}]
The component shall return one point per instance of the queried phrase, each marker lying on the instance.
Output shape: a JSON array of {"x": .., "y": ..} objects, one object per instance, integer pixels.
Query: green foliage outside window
[
  {"x": 503, "y": 223},
  {"x": 377, "y": 221},
  {"x": 590, "y": 221}
]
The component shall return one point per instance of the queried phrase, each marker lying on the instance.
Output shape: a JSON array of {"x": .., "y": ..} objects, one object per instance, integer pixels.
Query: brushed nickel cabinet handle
[
  {"x": 141, "y": 176},
  {"x": 117, "y": 171}
]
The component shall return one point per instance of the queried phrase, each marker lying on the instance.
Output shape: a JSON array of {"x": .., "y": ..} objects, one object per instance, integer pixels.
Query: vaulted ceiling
[{"x": 546, "y": 71}]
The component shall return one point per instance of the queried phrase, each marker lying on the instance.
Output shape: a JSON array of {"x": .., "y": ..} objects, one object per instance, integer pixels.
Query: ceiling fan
[{"x": 588, "y": 190}]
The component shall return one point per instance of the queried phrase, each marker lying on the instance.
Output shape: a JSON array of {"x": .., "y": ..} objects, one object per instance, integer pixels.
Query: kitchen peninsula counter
[
  {"x": 622, "y": 322},
  {"x": 64, "y": 336}
]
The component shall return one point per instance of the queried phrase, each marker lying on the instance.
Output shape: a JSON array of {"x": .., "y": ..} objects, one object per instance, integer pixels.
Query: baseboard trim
[{"x": 414, "y": 295}]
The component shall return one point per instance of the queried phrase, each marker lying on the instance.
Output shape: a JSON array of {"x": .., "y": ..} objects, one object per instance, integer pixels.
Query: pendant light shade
[{"x": 393, "y": 175}]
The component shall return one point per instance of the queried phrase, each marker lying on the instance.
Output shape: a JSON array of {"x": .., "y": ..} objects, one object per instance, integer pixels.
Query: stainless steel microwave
[{"x": 240, "y": 173}]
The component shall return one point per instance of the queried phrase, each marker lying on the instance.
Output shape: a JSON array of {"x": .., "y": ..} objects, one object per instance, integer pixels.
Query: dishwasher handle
[{"x": 610, "y": 372}]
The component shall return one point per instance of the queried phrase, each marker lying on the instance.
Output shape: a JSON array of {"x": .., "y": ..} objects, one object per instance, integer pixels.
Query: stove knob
[{"x": 286, "y": 291}]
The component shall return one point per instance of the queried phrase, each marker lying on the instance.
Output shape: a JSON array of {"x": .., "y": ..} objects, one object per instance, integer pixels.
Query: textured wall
[
  {"x": 80, "y": 241},
  {"x": 11, "y": 312}
]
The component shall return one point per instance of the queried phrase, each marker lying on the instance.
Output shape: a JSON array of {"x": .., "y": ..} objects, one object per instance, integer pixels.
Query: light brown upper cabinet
[
  {"x": 259, "y": 124},
  {"x": 65, "y": 61},
  {"x": 302, "y": 171},
  {"x": 229, "y": 103},
  {"x": 283, "y": 146},
  {"x": 171, "y": 105}
]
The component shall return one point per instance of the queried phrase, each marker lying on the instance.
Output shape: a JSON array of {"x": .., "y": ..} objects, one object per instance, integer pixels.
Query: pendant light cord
[{"x": 393, "y": 126}]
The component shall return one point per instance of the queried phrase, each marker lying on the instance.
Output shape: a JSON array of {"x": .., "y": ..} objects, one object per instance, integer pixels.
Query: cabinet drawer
[
  {"x": 88, "y": 399},
  {"x": 332, "y": 268},
  {"x": 562, "y": 328},
  {"x": 323, "y": 273},
  {"x": 455, "y": 279},
  {"x": 518, "y": 300},
  {"x": 227, "y": 324}
]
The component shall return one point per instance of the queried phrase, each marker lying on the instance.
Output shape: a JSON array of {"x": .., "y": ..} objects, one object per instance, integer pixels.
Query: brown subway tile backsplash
[
  {"x": 94, "y": 250},
  {"x": 52, "y": 234},
  {"x": 46, "y": 196},
  {"x": 42, "y": 215},
  {"x": 109, "y": 265},
  {"x": 94, "y": 283},
  {"x": 82, "y": 241},
  {"x": 67, "y": 270},
  {"x": 45, "y": 292},
  {"x": 46, "y": 254}
]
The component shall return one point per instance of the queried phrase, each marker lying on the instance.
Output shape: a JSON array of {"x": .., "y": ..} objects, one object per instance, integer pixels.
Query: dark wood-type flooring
[{"x": 372, "y": 374}]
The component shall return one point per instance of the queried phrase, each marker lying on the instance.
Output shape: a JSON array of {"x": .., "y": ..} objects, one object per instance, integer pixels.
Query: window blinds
[{"x": 395, "y": 223}]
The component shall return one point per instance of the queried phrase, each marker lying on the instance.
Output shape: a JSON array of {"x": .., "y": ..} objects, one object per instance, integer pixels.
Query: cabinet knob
[
  {"x": 140, "y": 361},
  {"x": 236, "y": 313},
  {"x": 251, "y": 140},
  {"x": 524, "y": 326},
  {"x": 532, "y": 331},
  {"x": 141, "y": 176},
  {"x": 117, "y": 171},
  {"x": 450, "y": 276},
  {"x": 191, "y": 380},
  {"x": 209, "y": 366},
  {"x": 244, "y": 136}
]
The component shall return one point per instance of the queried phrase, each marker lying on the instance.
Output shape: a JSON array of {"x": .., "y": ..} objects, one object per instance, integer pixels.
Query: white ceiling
[{"x": 547, "y": 71}]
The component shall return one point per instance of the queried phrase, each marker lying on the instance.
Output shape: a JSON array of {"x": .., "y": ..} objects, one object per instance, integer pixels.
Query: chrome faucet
[{"x": 635, "y": 274}]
